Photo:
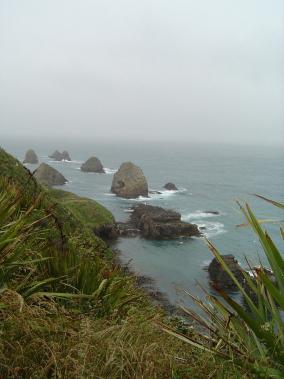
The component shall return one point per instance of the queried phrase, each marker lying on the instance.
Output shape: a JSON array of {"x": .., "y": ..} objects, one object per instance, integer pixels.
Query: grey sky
[{"x": 153, "y": 69}]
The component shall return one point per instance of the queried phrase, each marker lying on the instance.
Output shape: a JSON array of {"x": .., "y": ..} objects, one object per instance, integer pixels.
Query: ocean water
[{"x": 209, "y": 178}]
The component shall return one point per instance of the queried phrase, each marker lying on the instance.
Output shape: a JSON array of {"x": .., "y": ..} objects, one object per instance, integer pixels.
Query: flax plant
[{"x": 250, "y": 337}]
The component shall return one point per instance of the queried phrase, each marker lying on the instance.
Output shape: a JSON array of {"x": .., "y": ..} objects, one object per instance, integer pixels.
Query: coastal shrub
[{"x": 252, "y": 336}]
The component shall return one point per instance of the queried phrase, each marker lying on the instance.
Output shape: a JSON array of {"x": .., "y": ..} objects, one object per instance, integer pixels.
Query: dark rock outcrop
[
  {"x": 107, "y": 231},
  {"x": 129, "y": 181},
  {"x": 65, "y": 156},
  {"x": 93, "y": 164},
  {"x": 31, "y": 157},
  {"x": 219, "y": 276},
  {"x": 57, "y": 156},
  {"x": 157, "y": 223},
  {"x": 212, "y": 212},
  {"x": 170, "y": 187},
  {"x": 47, "y": 175}
]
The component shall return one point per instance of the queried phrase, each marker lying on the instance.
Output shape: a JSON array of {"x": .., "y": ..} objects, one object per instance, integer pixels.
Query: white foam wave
[
  {"x": 74, "y": 161},
  {"x": 198, "y": 215},
  {"x": 109, "y": 194},
  {"x": 110, "y": 171},
  {"x": 63, "y": 161},
  {"x": 211, "y": 229},
  {"x": 159, "y": 194},
  {"x": 129, "y": 210}
]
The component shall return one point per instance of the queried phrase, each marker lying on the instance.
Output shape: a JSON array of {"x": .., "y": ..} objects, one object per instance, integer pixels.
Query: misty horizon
[{"x": 142, "y": 71}]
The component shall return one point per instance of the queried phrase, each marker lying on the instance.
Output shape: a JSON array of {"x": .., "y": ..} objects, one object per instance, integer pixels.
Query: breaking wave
[
  {"x": 208, "y": 228},
  {"x": 211, "y": 229},
  {"x": 160, "y": 195},
  {"x": 199, "y": 215},
  {"x": 110, "y": 171}
]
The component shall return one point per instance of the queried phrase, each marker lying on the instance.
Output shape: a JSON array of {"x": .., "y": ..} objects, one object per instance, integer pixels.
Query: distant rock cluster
[
  {"x": 57, "y": 156},
  {"x": 128, "y": 182}
]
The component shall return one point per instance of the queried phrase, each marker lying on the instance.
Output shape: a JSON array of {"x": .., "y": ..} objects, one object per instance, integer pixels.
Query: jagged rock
[
  {"x": 127, "y": 229},
  {"x": 219, "y": 276},
  {"x": 47, "y": 175},
  {"x": 158, "y": 223},
  {"x": 129, "y": 181},
  {"x": 93, "y": 164},
  {"x": 57, "y": 156},
  {"x": 31, "y": 157},
  {"x": 170, "y": 187},
  {"x": 65, "y": 156}
]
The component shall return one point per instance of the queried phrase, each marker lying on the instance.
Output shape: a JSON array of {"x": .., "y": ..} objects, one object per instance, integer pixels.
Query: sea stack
[
  {"x": 47, "y": 175},
  {"x": 31, "y": 157},
  {"x": 65, "y": 156},
  {"x": 170, "y": 187},
  {"x": 129, "y": 181},
  {"x": 57, "y": 156},
  {"x": 220, "y": 278},
  {"x": 93, "y": 164}
]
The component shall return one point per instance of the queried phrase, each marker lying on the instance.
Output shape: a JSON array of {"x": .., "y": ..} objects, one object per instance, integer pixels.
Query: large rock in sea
[
  {"x": 57, "y": 156},
  {"x": 47, "y": 175},
  {"x": 159, "y": 223},
  {"x": 170, "y": 186},
  {"x": 129, "y": 181},
  {"x": 31, "y": 157},
  {"x": 219, "y": 276},
  {"x": 93, "y": 164}
]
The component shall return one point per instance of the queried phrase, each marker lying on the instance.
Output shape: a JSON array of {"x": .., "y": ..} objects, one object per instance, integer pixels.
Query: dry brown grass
[{"x": 41, "y": 339}]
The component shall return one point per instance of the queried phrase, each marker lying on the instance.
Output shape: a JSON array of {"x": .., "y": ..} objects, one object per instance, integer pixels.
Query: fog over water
[{"x": 181, "y": 70}]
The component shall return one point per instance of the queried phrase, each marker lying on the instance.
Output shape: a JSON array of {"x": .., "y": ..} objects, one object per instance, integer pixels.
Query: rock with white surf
[
  {"x": 129, "y": 182},
  {"x": 57, "y": 156},
  {"x": 93, "y": 164},
  {"x": 157, "y": 223},
  {"x": 170, "y": 187}
]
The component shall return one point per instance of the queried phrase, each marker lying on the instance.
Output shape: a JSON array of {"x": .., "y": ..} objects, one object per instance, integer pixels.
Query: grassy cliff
[
  {"x": 87, "y": 211},
  {"x": 66, "y": 311}
]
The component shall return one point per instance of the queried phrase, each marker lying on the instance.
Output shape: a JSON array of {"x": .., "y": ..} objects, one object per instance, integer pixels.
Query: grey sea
[{"x": 209, "y": 178}]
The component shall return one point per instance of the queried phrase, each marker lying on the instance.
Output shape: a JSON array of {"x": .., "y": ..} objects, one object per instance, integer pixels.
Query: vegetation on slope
[
  {"x": 65, "y": 310},
  {"x": 87, "y": 211}
]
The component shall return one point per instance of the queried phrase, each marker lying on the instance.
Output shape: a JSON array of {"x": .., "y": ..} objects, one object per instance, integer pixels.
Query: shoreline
[{"x": 147, "y": 285}]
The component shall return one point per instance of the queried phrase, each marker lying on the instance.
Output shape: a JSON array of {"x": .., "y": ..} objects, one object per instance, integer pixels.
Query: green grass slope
[
  {"x": 88, "y": 211},
  {"x": 66, "y": 311}
]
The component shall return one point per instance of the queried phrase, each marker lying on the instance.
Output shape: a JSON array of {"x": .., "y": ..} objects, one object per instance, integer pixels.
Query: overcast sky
[{"x": 189, "y": 70}]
